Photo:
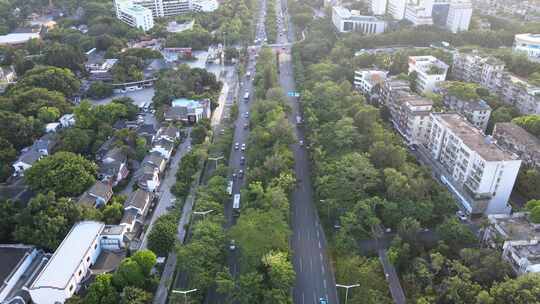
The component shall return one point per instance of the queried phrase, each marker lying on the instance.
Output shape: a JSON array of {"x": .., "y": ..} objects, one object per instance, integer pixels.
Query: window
[
  {"x": 71, "y": 287},
  {"x": 80, "y": 272},
  {"x": 95, "y": 246},
  {"x": 87, "y": 259}
]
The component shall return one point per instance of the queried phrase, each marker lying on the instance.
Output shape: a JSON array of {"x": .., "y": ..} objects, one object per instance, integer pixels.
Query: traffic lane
[{"x": 319, "y": 278}]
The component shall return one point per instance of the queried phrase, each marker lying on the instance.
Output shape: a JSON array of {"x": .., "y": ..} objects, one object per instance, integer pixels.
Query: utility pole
[
  {"x": 347, "y": 289},
  {"x": 184, "y": 292}
]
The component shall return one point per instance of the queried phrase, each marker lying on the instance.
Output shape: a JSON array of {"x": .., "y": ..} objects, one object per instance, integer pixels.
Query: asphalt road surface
[{"x": 314, "y": 277}]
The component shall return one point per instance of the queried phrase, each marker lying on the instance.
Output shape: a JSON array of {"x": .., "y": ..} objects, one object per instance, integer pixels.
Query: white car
[
  {"x": 232, "y": 245},
  {"x": 462, "y": 216}
]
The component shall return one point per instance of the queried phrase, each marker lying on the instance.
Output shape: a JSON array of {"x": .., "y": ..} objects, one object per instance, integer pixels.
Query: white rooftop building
[
  {"x": 346, "y": 21},
  {"x": 134, "y": 15},
  {"x": 430, "y": 71},
  {"x": 528, "y": 44},
  {"x": 205, "y": 6},
  {"x": 70, "y": 264}
]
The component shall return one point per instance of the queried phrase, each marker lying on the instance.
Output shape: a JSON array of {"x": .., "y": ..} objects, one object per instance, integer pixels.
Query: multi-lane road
[{"x": 314, "y": 277}]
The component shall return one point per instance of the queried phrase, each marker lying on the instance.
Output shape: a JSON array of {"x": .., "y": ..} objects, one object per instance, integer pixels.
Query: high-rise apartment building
[
  {"x": 481, "y": 173},
  {"x": 396, "y": 9},
  {"x": 459, "y": 15},
  {"x": 134, "y": 15},
  {"x": 377, "y": 7}
]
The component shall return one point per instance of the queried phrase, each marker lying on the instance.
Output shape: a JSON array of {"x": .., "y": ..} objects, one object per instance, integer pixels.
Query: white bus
[
  {"x": 246, "y": 96},
  {"x": 236, "y": 204},
  {"x": 230, "y": 187}
]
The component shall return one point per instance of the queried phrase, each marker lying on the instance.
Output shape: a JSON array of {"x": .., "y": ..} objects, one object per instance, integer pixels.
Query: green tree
[
  {"x": 257, "y": 232},
  {"x": 102, "y": 291},
  {"x": 20, "y": 131},
  {"x": 112, "y": 213},
  {"x": 146, "y": 259},
  {"x": 129, "y": 273},
  {"x": 530, "y": 123},
  {"x": 64, "y": 56},
  {"x": 455, "y": 234},
  {"x": 99, "y": 90},
  {"x": 51, "y": 78},
  {"x": 162, "y": 236},
  {"x": 76, "y": 140},
  {"x": 8, "y": 211},
  {"x": 134, "y": 295},
  {"x": 7, "y": 155},
  {"x": 46, "y": 220},
  {"x": 65, "y": 173},
  {"x": 522, "y": 290}
]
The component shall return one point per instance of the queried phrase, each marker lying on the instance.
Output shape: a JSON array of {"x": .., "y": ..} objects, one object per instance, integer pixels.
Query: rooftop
[
  {"x": 528, "y": 37},
  {"x": 184, "y": 102},
  {"x": 355, "y": 15},
  {"x": 11, "y": 256},
  {"x": 63, "y": 264},
  {"x": 17, "y": 38},
  {"x": 514, "y": 227},
  {"x": 524, "y": 138},
  {"x": 474, "y": 138}
]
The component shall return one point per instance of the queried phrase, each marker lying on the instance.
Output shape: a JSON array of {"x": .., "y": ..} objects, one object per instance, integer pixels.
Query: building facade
[
  {"x": 490, "y": 74},
  {"x": 517, "y": 140},
  {"x": 366, "y": 80},
  {"x": 70, "y": 264},
  {"x": 419, "y": 12},
  {"x": 351, "y": 21},
  {"x": 396, "y": 9},
  {"x": 378, "y": 7},
  {"x": 410, "y": 115},
  {"x": 429, "y": 70},
  {"x": 459, "y": 16},
  {"x": 477, "y": 112},
  {"x": 528, "y": 44},
  {"x": 134, "y": 15},
  {"x": 480, "y": 172}
]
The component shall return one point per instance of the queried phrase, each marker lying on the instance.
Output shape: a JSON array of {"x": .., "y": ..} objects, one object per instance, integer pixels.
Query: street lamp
[
  {"x": 185, "y": 293},
  {"x": 347, "y": 289},
  {"x": 203, "y": 213}
]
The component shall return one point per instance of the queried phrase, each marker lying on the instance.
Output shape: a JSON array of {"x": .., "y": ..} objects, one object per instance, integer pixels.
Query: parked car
[{"x": 236, "y": 146}]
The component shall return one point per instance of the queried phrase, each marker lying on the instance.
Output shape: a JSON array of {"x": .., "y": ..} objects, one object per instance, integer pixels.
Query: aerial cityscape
[{"x": 270, "y": 151}]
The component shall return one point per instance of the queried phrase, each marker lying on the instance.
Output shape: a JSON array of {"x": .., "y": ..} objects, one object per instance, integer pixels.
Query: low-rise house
[
  {"x": 135, "y": 209},
  {"x": 163, "y": 147},
  {"x": 148, "y": 178},
  {"x": 67, "y": 120},
  {"x": 7, "y": 76},
  {"x": 99, "y": 67},
  {"x": 98, "y": 195},
  {"x": 169, "y": 133},
  {"x": 19, "y": 263},
  {"x": 52, "y": 127},
  {"x": 147, "y": 131},
  {"x": 25, "y": 161},
  {"x": 156, "y": 160},
  {"x": 518, "y": 238},
  {"x": 517, "y": 140},
  {"x": 71, "y": 263},
  {"x": 188, "y": 111},
  {"x": 42, "y": 147},
  {"x": 114, "y": 166},
  {"x": 476, "y": 111},
  {"x": 366, "y": 80}
]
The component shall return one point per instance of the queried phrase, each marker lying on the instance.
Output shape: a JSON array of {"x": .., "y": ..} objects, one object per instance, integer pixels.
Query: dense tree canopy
[{"x": 65, "y": 173}]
